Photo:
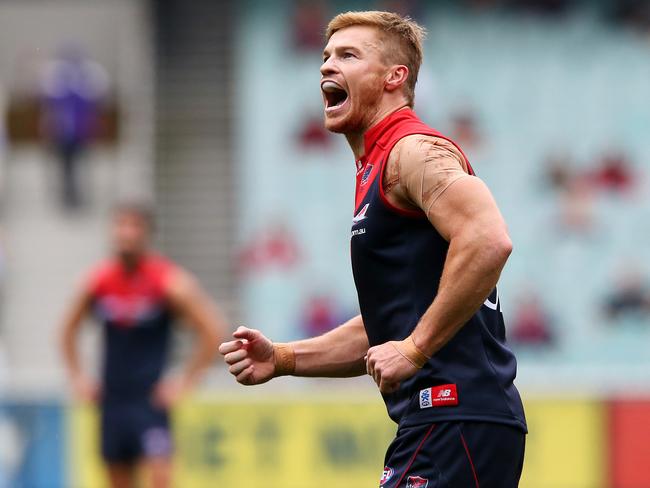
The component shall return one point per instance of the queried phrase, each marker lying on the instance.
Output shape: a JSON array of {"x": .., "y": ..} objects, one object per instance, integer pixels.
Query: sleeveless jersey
[
  {"x": 397, "y": 262},
  {"x": 136, "y": 319}
]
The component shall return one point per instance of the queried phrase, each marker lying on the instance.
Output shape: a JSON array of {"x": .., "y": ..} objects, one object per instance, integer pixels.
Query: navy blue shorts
[
  {"x": 455, "y": 454},
  {"x": 131, "y": 431}
]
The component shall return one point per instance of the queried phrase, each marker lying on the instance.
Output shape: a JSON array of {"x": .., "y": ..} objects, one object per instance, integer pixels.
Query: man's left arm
[
  {"x": 202, "y": 316},
  {"x": 479, "y": 246},
  {"x": 466, "y": 215}
]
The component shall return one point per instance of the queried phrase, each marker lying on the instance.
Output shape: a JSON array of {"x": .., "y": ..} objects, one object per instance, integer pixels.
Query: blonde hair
[{"x": 402, "y": 32}]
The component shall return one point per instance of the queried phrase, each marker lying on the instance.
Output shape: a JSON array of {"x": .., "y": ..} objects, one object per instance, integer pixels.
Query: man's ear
[{"x": 396, "y": 77}]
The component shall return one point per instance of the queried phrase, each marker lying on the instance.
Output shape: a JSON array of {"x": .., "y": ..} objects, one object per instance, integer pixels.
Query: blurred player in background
[
  {"x": 428, "y": 245},
  {"x": 136, "y": 294}
]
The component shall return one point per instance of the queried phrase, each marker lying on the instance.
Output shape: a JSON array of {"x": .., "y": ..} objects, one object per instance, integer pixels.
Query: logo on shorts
[
  {"x": 156, "y": 442},
  {"x": 439, "y": 396},
  {"x": 388, "y": 474},
  {"x": 416, "y": 482}
]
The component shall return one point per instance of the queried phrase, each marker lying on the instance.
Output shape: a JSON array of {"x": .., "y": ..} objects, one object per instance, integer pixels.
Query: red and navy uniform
[
  {"x": 136, "y": 318},
  {"x": 397, "y": 261}
]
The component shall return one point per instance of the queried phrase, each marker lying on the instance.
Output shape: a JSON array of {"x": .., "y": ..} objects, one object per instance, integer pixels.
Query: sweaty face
[
  {"x": 352, "y": 79},
  {"x": 130, "y": 234}
]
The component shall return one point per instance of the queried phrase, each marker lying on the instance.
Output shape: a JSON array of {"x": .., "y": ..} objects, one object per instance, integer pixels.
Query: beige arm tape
[
  {"x": 435, "y": 164},
  {"x": 284, "y": 358},
  {"x": 411, "y": 352}
]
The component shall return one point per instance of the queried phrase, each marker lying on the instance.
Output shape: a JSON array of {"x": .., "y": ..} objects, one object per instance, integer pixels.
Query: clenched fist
[
  {"x": 250, "y": 356},
  {"x": 388, "y": 366}
]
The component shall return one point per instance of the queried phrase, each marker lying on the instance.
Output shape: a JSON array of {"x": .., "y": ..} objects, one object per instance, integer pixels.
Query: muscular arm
[
  {"x": 432, "y": 177},
  {"x": 462, "y": 210},
  {"x": 339, "y": 353},
  {"x": 479, "y": 246},
  {"x": 254, "y": 359}
]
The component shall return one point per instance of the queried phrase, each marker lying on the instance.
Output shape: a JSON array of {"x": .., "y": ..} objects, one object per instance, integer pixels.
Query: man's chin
[
  {"x": 335, "y": 128},
  {"x": 129, "y": 255},
  {"x": 338, "y": 125}
]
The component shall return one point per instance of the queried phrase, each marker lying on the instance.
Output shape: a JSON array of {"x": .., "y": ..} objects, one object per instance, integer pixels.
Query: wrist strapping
[
  {"x": 411, "y": 352},
  {"x": 284, "y": 359}
]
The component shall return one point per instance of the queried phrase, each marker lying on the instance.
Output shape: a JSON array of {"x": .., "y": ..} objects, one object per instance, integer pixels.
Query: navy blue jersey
[
  {"x": 136, "y": 320},
  {"x": 397, "y": 261}
]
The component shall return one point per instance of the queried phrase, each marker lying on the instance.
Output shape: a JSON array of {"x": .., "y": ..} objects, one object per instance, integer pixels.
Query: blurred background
[{"x": 213, "y": 111}]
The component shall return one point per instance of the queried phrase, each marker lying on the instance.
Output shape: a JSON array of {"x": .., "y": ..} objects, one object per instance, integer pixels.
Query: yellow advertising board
[
  {"x": 337, "y": 443},
  {"x": 85, "y": 470},
  {"x": 301, "y": 444},
  {"x": 288, "y": 445},
  {"x": 566, "y": 444}
]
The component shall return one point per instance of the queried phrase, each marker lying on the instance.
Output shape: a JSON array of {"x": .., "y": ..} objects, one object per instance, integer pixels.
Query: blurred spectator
[
  {"x": 319, "y": 315},
  {"x": 411, "y": 8},
  {"x": 273, "y": 247},
  {"x": 483, "y": 4},
  {"x": 544, "y": 7},
  {"x": 631, "y": 13},
  {"x": 313, "y": 134},
  {"x": 531, "y": 323},
  {"x": 559, "y": 171},
  {"x": 614, "y": 173},
  {"x": 577, "y": 207},
  {"x": 73, "y": 90},
  {"x": 3, "y": 137},
  {"x": 309, "y": 19},
  {"x": 465, "y": 129},
  {"x": 630, "y": 296},
  {"x": 3, "y": 260}
]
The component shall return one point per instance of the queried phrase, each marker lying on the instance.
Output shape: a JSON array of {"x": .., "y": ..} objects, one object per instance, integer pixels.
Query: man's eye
[{"x": 348, "y": 55}]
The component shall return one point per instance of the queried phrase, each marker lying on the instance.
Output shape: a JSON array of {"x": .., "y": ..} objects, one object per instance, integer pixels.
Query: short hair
[
  {"x": 403, "y": 32},
  {"x": 140, "y": 209}
]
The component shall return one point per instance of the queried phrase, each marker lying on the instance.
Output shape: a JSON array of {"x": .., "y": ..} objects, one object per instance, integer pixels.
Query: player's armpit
[{"x": 426, "y": 167}]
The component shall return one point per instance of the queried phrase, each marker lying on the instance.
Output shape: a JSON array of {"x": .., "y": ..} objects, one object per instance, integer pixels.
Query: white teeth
[{"x": 330, "y": 86}]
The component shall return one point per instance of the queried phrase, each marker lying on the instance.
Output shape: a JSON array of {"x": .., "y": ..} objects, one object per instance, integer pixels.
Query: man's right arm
[{"x": 340, "y": 353}]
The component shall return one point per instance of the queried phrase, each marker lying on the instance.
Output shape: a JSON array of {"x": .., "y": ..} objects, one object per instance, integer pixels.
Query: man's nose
[{"x": 328, "y": 67}]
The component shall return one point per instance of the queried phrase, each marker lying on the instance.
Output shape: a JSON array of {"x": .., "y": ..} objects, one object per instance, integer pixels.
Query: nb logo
[{"x": 444, "y": 393}]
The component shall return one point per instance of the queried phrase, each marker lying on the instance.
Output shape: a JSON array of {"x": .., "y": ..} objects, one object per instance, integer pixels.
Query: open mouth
[{"x": 335, "y": 95}]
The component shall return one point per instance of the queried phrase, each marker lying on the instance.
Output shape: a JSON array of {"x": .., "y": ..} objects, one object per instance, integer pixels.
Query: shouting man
[{"x": 428, "y": 246}]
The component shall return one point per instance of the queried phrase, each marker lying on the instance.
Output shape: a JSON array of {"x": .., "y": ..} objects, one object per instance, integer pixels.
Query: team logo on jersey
[
  {"x": 128, "y": 310},
  {"x": 361, "y": 215},
  {"x": 366, "y": 174},
  {"x": 416, "y": 482},
  {"x": 388, "y": 474}
]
